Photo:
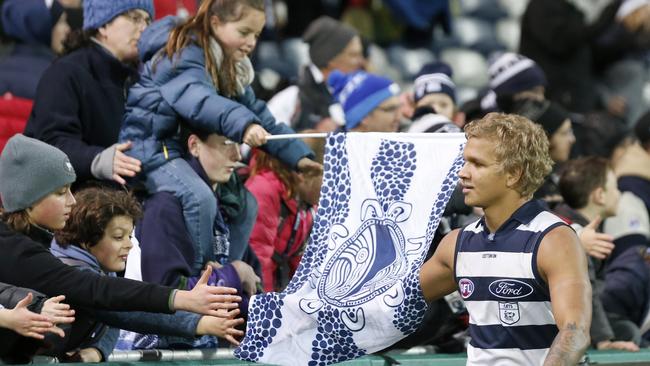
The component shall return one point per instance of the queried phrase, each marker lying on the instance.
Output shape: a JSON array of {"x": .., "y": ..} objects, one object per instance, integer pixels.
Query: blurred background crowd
[{"x": 81, "y": 75}]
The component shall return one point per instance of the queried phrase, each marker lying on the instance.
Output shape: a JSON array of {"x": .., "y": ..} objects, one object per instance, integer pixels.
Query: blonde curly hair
[{"x": 520, "y": 145}]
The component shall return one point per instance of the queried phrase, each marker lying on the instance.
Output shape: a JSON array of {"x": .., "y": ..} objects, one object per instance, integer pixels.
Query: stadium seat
[
  {"x": 269, "y": 56},
  {"x": 476, "y": 34},
  {"x": 489, "y": 10},
  {"x": 380, "y": 65},
  {"x": 469, "y": 66},
  {"x": 296, "y": 53},
  {"x": 515, "y": 8},
  {"x": 464, "y": 94},
  {"x": 508, "y": 32},
  {"x": 409, "y": 61}
]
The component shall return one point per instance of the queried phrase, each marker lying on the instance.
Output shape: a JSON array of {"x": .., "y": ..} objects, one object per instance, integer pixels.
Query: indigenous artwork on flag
[{"x": 357, "y": 288}]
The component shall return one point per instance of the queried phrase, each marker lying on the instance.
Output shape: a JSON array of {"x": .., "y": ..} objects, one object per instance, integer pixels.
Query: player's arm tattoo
[{"x": 569, "y": 345}]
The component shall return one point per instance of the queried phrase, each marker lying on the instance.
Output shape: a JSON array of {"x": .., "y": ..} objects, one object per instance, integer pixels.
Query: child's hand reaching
[
  {"x": 57, "y": 311},
  {"x": 220, "y": 327},
  {"x": 27, "y": 323},
  {"x": 597, "y": 245},
  {"x": 255, "y": 135}
]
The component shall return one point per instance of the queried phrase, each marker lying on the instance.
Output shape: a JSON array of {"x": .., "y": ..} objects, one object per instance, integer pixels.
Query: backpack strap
[{"x": 281, "y": 259}]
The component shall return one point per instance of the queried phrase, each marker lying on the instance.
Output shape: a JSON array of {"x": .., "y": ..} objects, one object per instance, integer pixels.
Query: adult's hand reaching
[{"x": 247, "y": 277}]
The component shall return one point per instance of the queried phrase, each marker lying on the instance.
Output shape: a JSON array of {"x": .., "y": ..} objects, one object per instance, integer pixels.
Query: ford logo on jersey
[{"x": 510, "y": 289}]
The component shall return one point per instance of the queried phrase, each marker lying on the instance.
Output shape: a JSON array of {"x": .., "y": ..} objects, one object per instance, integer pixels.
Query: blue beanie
[
  {"x": 433, "y": 78},
  {"x": 360, "y": 93},
  {"x": 99, "y": 12},
  {"x": 511, "y": 73}
]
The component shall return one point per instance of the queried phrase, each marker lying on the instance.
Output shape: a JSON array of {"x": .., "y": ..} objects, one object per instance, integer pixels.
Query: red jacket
[
  {"x": 174, "y": 7},
  {"x": 14, "y": 113},
  {"x": 276, "y": 226}
]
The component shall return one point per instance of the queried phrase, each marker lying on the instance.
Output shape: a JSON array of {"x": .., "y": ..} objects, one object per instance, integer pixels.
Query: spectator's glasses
[{"x": 137, "y": 18}]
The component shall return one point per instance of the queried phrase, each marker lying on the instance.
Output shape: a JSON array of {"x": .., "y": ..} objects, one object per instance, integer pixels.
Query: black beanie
[
  {"x": 327, "y": 37},
  {"x": 543, "y": 112}
]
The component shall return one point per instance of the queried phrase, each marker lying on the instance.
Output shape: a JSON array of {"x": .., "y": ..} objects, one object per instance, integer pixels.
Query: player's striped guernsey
[{"x": 511, "y": 322}]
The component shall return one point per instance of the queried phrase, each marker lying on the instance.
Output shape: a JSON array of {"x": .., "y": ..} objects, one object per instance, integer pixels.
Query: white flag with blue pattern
[{"x": 357, "y": 288}]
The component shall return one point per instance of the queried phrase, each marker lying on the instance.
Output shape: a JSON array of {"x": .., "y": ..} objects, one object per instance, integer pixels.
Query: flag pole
[
  {"x": 321, "y": 135},
  {"x": 397, "y": 134}
]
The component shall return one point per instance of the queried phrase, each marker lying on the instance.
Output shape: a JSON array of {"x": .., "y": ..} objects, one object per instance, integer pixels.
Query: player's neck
[{"x": 497, "y": 213}]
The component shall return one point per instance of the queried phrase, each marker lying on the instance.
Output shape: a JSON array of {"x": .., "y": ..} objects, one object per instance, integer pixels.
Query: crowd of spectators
[{"x": 121, "y": 124}]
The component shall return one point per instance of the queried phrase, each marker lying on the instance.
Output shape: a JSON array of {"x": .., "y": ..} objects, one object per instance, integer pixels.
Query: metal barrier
[
  {"x": 225, "y": 357},
  {"x": 172, "y": 355}
]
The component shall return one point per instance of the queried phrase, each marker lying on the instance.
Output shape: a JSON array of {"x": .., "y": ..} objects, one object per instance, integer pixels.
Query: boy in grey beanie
[
  {"x": 30, "y": 170},
  {"x": 333, "y": 45},
  {"x": 327, "y": 37}
]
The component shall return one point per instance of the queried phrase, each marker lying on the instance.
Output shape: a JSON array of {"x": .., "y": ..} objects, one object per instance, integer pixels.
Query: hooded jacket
[{"x": 30, "y": 23}]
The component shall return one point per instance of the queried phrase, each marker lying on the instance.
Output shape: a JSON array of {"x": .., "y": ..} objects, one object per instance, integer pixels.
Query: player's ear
[{"x": 513, "y": 178}]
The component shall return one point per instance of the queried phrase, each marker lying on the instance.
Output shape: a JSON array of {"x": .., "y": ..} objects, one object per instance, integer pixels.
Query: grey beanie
[
  {"x": 327, "y": 37},
  {"x": 30, "y": 170}
]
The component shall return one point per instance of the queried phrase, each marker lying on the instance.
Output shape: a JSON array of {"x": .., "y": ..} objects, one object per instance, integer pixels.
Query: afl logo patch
[{"x": 465, "y": 287}]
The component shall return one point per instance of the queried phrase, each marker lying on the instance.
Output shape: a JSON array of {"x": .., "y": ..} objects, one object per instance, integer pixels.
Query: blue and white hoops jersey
[{"x": 511, "y": 320}]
